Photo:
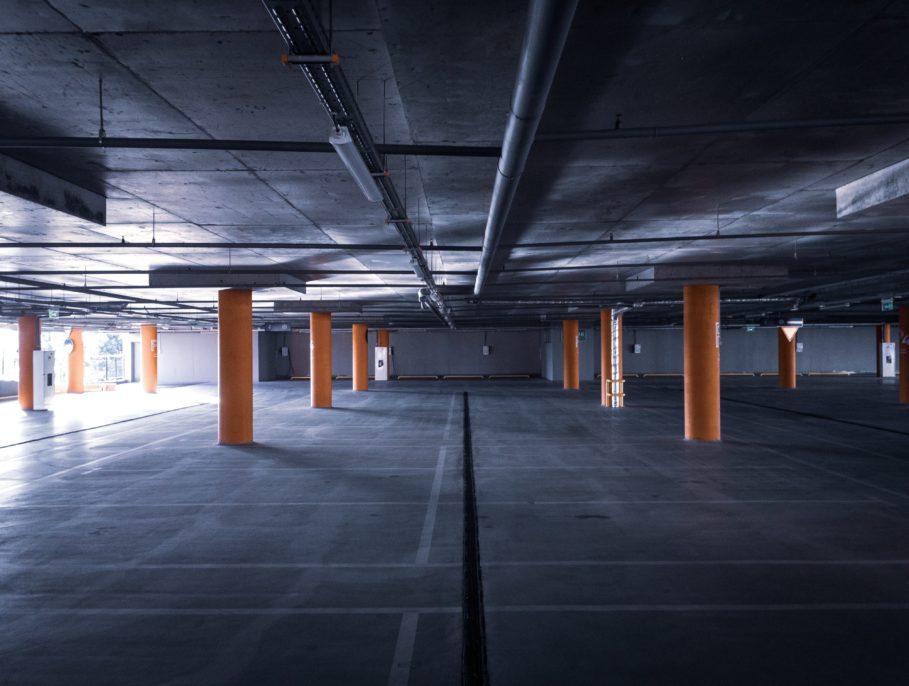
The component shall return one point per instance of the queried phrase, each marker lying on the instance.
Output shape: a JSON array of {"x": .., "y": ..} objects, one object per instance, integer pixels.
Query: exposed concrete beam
[
  {"x": 352, "y": 306},
  {"x": 882, "y": 186},
  {"x": 37, "y": 186},
  {"x": 65, "y": 142},
  {"x": 696, "y": 274},
  {"x": 214, "y": 278}
]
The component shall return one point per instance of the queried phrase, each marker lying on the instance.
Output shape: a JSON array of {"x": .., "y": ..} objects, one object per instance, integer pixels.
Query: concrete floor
[{"x": 330, "y": 552}]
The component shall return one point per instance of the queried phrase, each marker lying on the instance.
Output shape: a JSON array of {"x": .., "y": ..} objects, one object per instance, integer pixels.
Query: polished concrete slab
[{"x": 330, "y": 551}]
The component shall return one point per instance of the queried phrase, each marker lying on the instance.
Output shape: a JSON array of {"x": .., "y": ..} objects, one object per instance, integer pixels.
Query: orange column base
[
  {"x": 786, "y": 377},
  {"x": 571, "y": 379},
  {"x": 702, "y": 362},
  {"x": 235, "y": 385},
  {"x": 320, "y": 359},
  {"x": 360, "y": 357}
]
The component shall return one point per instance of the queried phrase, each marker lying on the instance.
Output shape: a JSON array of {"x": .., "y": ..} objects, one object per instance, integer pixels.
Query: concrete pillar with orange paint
[
  {"x": 786, "y": 365},
  {"x": 29, "y": 342},
  {"x": 904, "y": 353},
  {"x": 382, "y": 338},
  {"x": 702, "y": 362},
  {"x": 75, "y": 370},
  {"x": 148, "y": 346},
  {"x": 235, "y": 367},
  {"x": 570, "y": 358},
  {"x": 360, "y": 357},
  {"x": 320, "y": 359}
]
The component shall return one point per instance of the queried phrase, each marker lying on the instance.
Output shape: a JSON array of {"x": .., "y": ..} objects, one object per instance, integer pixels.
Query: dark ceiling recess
[
  {"x": 300, "y": 27},
  {"x": 63, "y": 142},
  {"x": 695, "y": 146}
]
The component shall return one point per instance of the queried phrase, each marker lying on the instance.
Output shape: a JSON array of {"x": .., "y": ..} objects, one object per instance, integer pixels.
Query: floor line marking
[
  {"x": 102, "y": 566},
  {"x": 182, "y": 611},
  {"x": 294, "y": 503},
  {"x": 816, "y": 416},
  {"x": 426, "y": 536},
  {"x": 100, "y": 426},
  {"x": 703, "y": 501},
  {"x": 20, "y": 484},
  {"x": 400, "y": 665},
  {"x": 766, "y": 448},
  {"x": 278, "y": 611},
  {"x": 826, "y": 470},
  {"x": 201, "y": 566},
  {"x": 696, "y": 563},
  {"x": 703, "y": 607},
  {"x": 429, "y": 523}
]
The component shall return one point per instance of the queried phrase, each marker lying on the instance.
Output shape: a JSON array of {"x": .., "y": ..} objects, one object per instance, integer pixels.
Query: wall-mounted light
[{"x": 350, "y": 155}]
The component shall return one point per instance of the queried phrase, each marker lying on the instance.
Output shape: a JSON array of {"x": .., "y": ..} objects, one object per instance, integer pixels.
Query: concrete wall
[
  {"x": 190, "y": 357},
  {"x": 272, "y": 363},
  {"x": 341, "y": 352},
  {"x": 193, "y": 357},
  {"x": 825, "y": 350},
  {"x": 435, "y": 352},
  {"x": 588, "y": 353},
  {"x": 461, "y": 352}
]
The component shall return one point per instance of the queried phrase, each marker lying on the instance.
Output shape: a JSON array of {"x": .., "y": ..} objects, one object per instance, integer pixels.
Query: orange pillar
[
  {"x": 29, "y": 342},
  {"x": 786, "y": 368},
  {"x": 235, "y": 367},
  {"x": 320, "y": 359},
  {"x": 148, "y": 336},
  {"x": 360, "y": 358},
  {"x": 75, "y": 377},
  {"x": 382, "y": 338},
  {"x": 702, "y": 362},
  {"x": 904, "y": 353},
  {"x": 570, "y": 371}
]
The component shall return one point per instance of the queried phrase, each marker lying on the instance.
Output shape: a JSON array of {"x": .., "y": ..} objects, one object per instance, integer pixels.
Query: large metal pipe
[{"x": 548, "y": 22}]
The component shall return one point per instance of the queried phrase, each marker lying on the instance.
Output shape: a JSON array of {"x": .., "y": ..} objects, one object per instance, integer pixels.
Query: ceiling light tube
[{"x": 342, "y": 142}]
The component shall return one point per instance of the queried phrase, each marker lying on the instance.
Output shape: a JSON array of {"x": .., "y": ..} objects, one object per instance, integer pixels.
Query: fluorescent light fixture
[{"x": 342, "y": 142}]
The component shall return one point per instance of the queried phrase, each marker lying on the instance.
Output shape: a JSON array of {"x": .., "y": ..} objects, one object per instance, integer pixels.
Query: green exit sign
[{"x": 886, "y": 304}]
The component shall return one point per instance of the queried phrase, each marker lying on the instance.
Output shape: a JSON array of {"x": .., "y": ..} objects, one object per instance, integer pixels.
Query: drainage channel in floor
[{"x": 473, "y": 643}]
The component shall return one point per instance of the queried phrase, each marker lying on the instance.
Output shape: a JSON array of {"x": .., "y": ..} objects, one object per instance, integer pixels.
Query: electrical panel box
[
  {"x": 636, "y": 348},
  {"x": 799, "y": 347},
  {"x": 888, "y": 360},
  {"x": 284, "y": 351},
  {"x": 381, "y": 356},
  {"x": 43, "y": 378},
  {"x": 486, "y": 349}
]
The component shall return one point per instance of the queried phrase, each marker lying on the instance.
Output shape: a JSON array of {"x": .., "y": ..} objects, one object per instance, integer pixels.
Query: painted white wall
[
  {"x": 187, "y": 357},
  {"x": 192, "y": 357}
]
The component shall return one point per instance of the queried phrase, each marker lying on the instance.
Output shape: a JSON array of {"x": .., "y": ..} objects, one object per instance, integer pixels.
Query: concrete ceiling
[{"x": 442, "y": 73}]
